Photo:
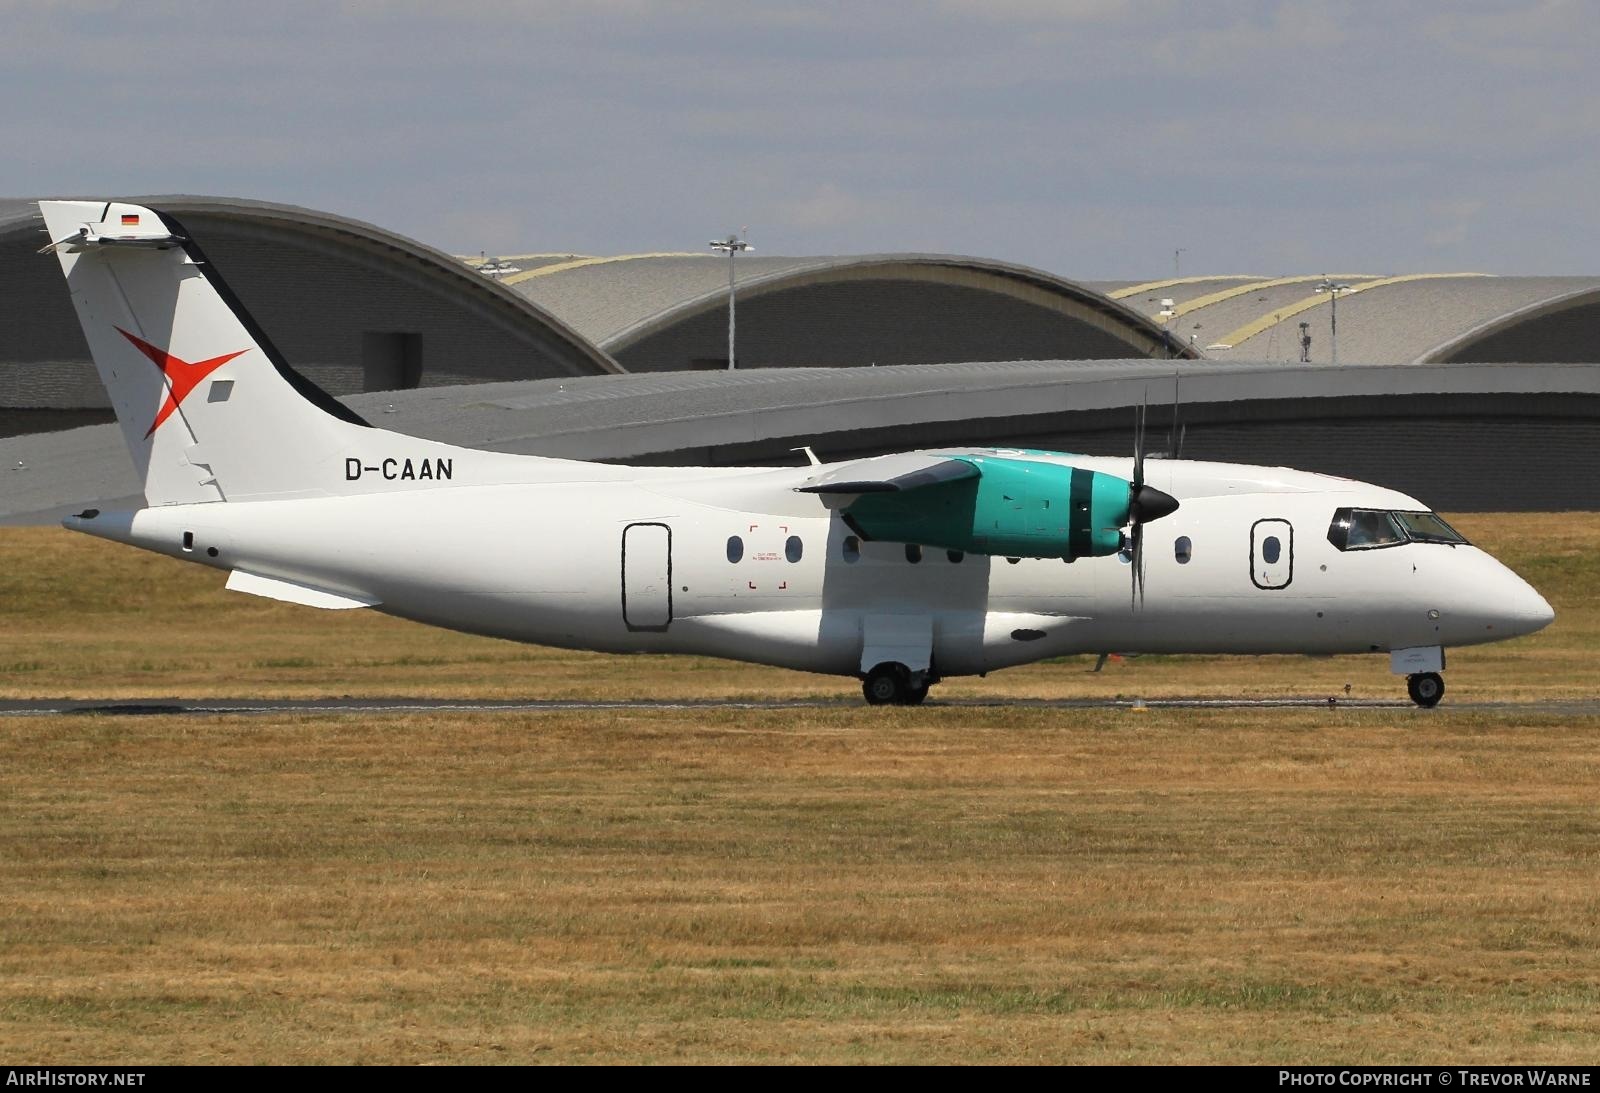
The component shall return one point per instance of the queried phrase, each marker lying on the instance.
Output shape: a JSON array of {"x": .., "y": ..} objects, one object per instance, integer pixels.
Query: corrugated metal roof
[
  {"x": 614, "y": 302},
  {"x": 620, "y": 417},
  {"x": 16, "y": 210},
  {"x": 1411, "y": 317},
  {"x": 443, "y": 269}
]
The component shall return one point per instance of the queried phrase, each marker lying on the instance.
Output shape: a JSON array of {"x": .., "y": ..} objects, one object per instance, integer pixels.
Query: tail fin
[{"x": 209, "y": 409}]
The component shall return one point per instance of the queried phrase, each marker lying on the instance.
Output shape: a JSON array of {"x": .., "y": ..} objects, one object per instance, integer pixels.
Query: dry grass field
[{"x": 836, "y": 884}]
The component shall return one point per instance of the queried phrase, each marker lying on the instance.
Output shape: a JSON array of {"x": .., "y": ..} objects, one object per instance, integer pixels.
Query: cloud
[
  {"x": 1450, "y": 222},
  {"x": 827, "y": 206},
  {"x": 1088, "y": 138}
]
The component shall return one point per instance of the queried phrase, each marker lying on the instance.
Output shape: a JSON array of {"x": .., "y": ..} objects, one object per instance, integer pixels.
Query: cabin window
[
  {"x": 1182, "y": 550},
  {"x": 188, "y": 540},
  {"x": 913, "y": 553},
  {"x": 851, "y": 549},
  {"x": 735, "y": 548},
  {"x": 1271, "y": 550},
  {"x": 793, "y": 548},
  {"x": 955, "y": 556}
]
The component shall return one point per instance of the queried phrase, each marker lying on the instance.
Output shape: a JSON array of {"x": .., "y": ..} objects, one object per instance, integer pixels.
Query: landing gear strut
[
  {"x": 895, "y": 685},
  {"x": 1425, "y": 688}
]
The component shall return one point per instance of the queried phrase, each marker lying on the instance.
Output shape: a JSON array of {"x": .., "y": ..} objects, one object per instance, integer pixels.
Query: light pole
[
  {"x": 1176, "y": 255},
  {"x": 1333, "y": 288},
  {"x": 733, "y": 245},
  {"x": 496, "y": 268}
]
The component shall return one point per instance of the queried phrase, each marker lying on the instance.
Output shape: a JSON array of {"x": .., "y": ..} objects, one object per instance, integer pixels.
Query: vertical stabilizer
[{"x": 209, "y": 410}]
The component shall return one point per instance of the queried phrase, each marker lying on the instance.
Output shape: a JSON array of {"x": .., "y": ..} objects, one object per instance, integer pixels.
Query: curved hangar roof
[
  {"x": 390, "y": 312},
  {"x": 668, "y": 312},
  {"x": 1426, "y": 318},
  {"x": 1460, "y": 436}
]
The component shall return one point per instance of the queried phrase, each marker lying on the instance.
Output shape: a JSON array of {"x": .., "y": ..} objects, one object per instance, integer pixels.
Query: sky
[{"x": 1089, "y": 138}]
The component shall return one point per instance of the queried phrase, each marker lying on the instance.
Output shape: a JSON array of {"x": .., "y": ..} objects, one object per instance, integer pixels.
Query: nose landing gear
[
  {"x": 1425, "y": 689},
  {"x": 1421, "y": 666}
]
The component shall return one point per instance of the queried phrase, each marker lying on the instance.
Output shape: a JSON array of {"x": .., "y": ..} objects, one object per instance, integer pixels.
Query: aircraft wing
[{"x": 889, "y": 474}]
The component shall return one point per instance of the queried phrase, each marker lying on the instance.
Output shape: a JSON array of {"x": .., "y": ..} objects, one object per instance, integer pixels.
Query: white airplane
[{"x": 898, "y": 570}]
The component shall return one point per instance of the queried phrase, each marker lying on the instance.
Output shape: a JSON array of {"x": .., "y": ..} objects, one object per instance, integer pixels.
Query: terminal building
[{"x": 1470, "y": 391}]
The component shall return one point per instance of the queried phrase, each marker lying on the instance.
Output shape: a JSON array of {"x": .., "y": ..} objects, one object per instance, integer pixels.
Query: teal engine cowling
[{"x": 1014, "y": 508}]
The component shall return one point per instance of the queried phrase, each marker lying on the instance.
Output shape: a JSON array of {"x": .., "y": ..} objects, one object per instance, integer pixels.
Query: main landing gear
[
  {"x": 1425, "y": 688},
  {"x": 896, "y": 685}
]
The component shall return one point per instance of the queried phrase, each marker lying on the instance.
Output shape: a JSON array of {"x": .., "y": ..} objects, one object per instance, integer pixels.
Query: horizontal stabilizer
[
  {"x": 118, "y": 225},
  {"x": 890, "y": 474},
  {"x": 292, "y": 592}
]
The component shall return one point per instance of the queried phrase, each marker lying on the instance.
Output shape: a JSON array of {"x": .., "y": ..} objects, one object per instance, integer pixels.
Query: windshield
[
  {"x": 1368, "y": 529},
  {"x": 1427, "y": 527}
]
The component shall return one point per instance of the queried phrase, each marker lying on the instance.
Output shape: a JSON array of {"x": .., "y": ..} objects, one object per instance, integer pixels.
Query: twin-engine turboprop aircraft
[{"x": 898, "y": 570}]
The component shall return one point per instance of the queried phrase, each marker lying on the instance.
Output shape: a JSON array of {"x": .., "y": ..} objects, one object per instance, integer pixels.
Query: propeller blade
[
  {"x": 1136, "y": 568},
  {"x": 1145, "y": 502},
  {"x": 1138, "y": 441},
  {"x": 1133, "y": 569},
  {"x": 1173, "y": 442},
  {"x": 1138, "y": 564}
]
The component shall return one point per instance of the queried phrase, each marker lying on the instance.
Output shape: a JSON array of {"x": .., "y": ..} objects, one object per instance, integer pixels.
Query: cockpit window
[
  {"x": 1368, "y": 529},
  {"x": 1364, "y": 529},
  {"x": 1426, "y": 527}
]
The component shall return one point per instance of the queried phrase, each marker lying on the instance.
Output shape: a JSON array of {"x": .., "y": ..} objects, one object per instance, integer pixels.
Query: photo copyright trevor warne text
[{"x": 1438, "y": 1077}]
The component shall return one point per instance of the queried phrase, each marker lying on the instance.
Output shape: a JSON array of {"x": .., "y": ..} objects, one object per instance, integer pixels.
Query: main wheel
[
  {"x": 1425, "y": 688},
  {"x": 915, "y": 695},
  {"x": 886, "y": 684}
]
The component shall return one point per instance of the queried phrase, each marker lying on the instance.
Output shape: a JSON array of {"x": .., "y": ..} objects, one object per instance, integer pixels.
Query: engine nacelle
[{"x": 1012, "y": 508}]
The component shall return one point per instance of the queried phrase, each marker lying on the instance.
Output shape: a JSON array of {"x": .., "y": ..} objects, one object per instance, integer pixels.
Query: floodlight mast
[
  {"x": 496, "y": 268},
  {"x": 1333, "y": 289},
  {"x": 733, "y": 245}
]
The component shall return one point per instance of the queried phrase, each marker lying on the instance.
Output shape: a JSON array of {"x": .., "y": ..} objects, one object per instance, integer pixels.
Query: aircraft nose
[
  {"x": 1519, "y": 607},
  {"x": 1533, "y": 610}
]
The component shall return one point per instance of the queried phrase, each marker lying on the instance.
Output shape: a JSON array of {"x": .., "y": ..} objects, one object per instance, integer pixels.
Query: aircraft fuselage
[{"x": 735, "y": 563}]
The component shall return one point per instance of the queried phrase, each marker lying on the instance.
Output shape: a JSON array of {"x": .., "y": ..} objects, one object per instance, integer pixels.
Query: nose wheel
[{"x": 1425, "y": 689}]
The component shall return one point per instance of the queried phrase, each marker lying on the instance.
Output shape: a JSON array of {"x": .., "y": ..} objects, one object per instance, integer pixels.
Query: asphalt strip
[{"x": 210, "y": 707}]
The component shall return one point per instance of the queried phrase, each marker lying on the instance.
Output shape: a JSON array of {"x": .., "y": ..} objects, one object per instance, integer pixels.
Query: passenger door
[{"x": 647, "y": 576}]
